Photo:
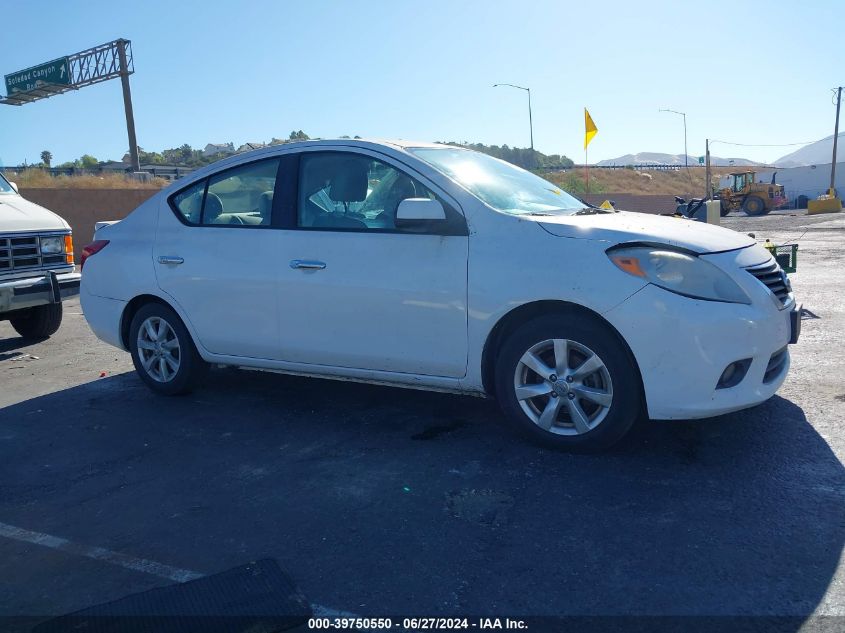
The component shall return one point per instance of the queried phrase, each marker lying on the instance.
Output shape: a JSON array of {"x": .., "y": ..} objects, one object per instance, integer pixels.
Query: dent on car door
[
  {"x": 215, "y": 257},
  {"x": 358, "y": 291}
]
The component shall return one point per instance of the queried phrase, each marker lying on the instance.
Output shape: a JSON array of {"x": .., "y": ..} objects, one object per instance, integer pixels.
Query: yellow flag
[{"x": 590, "y": 129}]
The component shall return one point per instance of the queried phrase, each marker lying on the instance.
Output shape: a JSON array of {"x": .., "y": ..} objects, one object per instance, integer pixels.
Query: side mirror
[
  {"x": 14, "y": 186},
  {"x": 418, "y": 213}
]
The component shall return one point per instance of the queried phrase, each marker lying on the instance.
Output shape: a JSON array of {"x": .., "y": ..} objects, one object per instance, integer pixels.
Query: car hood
[
  {"x": 627, "y": 226},
  {"x": 18, "y": 215}
]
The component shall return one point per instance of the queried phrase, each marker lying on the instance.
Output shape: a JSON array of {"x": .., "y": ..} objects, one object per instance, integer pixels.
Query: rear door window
[
  {"x": 188, "y": 202},
  {"x": 242, "y": 196}
]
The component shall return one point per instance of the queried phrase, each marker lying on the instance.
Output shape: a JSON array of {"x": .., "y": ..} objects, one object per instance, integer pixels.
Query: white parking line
[
  {"x": 98, "y": 553},
  {"x": 143, "y": 565}
]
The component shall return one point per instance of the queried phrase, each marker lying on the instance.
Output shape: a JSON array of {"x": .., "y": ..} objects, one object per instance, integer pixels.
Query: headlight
[
  {"x": 52, "y": 245},
  {"x": 679, "y": 273}
]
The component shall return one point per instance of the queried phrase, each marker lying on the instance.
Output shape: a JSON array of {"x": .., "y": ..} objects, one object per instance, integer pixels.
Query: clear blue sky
[{"x": 755, "y": 72}]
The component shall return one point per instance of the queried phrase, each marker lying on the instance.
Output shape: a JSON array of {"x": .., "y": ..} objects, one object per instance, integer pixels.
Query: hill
[
  {"x": 676, "y": 183},
  {"x": 817, "y": 153},
  {"x": 658, "y": 158}
]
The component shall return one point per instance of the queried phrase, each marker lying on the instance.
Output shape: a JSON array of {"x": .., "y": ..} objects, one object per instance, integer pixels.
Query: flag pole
[{"x": 586, "y": 170}]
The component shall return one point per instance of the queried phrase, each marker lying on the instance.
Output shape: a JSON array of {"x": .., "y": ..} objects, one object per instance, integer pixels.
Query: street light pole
[
  {"x": 686, "y": 153},
  {"x": 530, "y": 121}
]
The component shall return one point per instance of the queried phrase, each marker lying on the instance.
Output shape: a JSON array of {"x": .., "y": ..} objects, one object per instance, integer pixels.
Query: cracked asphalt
[{"x": 382, "y": 501}]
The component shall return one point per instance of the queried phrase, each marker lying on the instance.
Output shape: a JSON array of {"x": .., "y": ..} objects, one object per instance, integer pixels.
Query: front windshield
[
  {"x": 503, "y": 186},
  {"x": 5, "y": 187}
]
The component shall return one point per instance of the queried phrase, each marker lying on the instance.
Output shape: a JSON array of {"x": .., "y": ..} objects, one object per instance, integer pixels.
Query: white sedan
[{"x": 436, "y": 267}]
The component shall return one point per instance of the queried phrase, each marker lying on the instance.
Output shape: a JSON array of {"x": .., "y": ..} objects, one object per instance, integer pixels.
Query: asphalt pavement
[{"x": 384, "y": 501}]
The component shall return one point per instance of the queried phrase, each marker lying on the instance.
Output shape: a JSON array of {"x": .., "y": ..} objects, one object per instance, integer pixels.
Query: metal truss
[{"x": 88, "y": 67}]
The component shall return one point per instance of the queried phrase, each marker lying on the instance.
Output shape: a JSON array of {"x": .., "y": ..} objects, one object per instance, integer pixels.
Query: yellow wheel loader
[{"x": 755, "y": 198}]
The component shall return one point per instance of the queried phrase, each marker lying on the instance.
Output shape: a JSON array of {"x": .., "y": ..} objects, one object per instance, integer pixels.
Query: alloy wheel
[
  {"x": 564, "y": 387},
  {"x": 158, "y": 349}
]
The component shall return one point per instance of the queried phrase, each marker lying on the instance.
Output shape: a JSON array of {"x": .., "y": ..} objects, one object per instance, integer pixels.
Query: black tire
[
  {"x": 39, "y": 322},
  {"x": 191, "y": 367},
  {"x": 723, "y": 210},
  {"x": 626, "y": 400},
  {"x": 754, "y": 205}
]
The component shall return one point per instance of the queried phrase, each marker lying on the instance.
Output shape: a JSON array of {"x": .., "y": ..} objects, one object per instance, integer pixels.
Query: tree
[
  {"x": 186, "y": 153},
  {"x": 87, "y": 161},
  {"x": 522, "y": 157},
  {"x": 298, "y": 136},
  {"x": 46, "y": 157}
]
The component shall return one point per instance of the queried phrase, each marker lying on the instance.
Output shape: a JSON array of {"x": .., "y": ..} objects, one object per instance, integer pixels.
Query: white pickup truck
[{"x": 36, "y": 265}]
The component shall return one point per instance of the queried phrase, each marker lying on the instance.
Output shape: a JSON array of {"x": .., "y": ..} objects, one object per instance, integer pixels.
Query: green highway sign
[
  {"x": 54, "y": 72},
  {"x": 701, "y": 160}
]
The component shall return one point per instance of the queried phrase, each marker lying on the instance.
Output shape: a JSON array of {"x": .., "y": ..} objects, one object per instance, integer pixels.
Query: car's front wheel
[
  {"x": 568, "y": 382},
  {"x": 39, "y": 322},
  {"x": 163, "y": 352}
]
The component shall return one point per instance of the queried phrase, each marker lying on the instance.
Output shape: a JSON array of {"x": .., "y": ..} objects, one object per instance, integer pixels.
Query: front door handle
[
  {"x": 170, "y": 259},
  {"x": 307, "y": 264}
]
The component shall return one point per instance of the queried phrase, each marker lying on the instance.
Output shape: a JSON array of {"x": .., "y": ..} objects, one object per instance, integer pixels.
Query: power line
[{"x": 768, "y": 144}]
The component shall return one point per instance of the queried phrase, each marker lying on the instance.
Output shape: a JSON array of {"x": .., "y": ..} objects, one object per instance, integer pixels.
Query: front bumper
[
  {"x": 684, "y": 345},
  {"x": 44, "y": 288}
]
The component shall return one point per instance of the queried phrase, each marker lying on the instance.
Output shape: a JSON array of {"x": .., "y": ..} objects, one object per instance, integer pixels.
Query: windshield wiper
[{"x": 592, "y": 211}]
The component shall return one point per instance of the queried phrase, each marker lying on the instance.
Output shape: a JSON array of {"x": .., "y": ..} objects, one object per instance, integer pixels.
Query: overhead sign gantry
[{"x": 101, "y": 63}]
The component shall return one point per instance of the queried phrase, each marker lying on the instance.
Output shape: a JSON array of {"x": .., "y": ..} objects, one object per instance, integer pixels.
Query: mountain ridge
[{"x": 660, "y": 158}]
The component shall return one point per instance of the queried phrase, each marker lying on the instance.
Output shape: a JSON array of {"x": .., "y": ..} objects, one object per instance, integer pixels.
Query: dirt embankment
[{"x": 676, "y": 183}]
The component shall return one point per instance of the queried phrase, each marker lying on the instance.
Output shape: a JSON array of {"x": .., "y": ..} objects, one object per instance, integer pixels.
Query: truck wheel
[
  {"x": 39, "y": 322},
  {"x": 163, "y": 352},
  {"x": 568, "y": 382},
  {"x": 754, "y": 206},
  {"x": 723, "y": 210}
]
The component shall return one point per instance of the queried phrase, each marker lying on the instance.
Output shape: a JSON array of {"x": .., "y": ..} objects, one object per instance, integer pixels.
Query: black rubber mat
[{"x": 254, "y": 598}]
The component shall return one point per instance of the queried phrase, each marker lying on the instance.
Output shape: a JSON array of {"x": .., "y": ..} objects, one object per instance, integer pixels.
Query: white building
[
  {"x": 213, "y": 149},
  {"x": 248, "y": 147}
]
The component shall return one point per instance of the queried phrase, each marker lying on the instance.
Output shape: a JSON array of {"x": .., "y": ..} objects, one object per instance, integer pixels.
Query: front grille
[
  {"x": 772, "y": 276},
  {"x": 24, "y": 253}
]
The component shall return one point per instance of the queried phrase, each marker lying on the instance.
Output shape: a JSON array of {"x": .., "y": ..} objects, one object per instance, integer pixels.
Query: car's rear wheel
[
  {"x": 163, "y": 352},
  {"x": 38, "y": 322},
  {"x": 568, "y": 382}
]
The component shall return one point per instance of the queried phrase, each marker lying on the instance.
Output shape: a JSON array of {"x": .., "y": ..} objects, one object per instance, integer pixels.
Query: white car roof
[
  {"x": 364, "y": 142},
  {"x": 202, "y": 172}
]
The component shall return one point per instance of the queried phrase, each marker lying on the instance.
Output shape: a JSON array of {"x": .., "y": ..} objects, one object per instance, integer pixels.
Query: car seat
[
  {"x": 402, "y": 189},
  {"x": 265, "y": 207},
  {"x": 212, "y": 208},
  {"x": 347, "y": 183}
]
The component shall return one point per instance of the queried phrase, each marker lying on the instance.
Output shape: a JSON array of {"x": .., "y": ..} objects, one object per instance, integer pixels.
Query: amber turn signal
[{"x": 68, "y": 249}]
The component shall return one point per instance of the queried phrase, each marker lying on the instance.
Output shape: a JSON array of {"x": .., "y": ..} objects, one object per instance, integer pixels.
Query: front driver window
[{"x": 344, "y": 191}]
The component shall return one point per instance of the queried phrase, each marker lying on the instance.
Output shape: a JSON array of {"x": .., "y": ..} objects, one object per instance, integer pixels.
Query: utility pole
[
  {"x": 835, "y": 139},
  {"x": 708, "y": 193},
  {"x": 127, "y": 106},
  {"x": 531, "y": 121}
]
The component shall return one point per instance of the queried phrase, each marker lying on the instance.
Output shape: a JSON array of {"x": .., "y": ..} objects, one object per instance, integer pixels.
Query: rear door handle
[
  {"x": 170, "y": 259},
  {"x": 307, "y": 264}
]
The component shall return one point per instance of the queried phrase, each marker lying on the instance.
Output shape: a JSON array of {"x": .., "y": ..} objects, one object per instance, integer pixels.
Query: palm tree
[{"x": 46, "y": 157}]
